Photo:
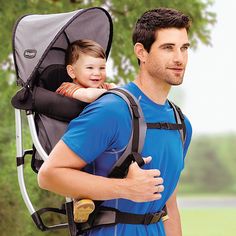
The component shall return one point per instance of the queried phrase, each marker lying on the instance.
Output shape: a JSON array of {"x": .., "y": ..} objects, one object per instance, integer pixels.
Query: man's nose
[{"x": 178, "y": 56}]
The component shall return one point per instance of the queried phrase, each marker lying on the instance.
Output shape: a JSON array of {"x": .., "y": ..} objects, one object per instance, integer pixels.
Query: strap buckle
[{"x": 153, "y": 217}]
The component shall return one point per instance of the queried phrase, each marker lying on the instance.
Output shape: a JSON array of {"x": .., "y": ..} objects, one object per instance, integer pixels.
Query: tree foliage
[{"x": 124, "y": 14}]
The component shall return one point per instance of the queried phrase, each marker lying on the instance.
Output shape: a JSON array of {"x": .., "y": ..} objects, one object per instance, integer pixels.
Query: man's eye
[
  {"x": 168, "y": 47},
  {"x": 185, "y": 48}
]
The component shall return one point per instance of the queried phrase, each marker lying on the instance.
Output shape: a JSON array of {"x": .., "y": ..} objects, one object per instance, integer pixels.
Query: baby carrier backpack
[{"x": 40, "y": 70}]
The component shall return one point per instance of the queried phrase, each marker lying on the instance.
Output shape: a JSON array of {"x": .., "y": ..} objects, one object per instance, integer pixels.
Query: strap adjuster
[
  {"x": 134, "y": 108},
  {"x": 153, "y": 217}
]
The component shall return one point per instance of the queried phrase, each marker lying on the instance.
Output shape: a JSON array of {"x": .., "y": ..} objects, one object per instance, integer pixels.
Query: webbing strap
[
  {"x": 170, "y": 126},
  {"x": 111, "y": 216},
  {"x": 179, "y": 117},
  {"x": 136, "y": 142}
]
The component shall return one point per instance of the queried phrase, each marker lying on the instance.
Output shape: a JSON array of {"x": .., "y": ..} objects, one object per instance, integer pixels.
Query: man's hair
[
  {"x": 153, "y": 20},
  {"x": 83, "y": 46}
]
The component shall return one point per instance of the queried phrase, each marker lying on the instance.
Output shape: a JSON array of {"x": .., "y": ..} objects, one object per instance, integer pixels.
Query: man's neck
[{"x": 155, "y": 89}]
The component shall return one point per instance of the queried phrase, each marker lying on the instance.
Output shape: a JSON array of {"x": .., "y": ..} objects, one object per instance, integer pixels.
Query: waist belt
[{"x": 111, "y": 216}]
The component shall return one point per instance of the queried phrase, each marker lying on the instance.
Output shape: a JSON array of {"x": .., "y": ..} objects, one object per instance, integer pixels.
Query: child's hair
[{"x": 85, "y": 46}]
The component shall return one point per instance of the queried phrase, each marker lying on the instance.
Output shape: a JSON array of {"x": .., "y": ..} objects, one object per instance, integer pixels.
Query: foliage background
[{"x": 205, "y": 171}]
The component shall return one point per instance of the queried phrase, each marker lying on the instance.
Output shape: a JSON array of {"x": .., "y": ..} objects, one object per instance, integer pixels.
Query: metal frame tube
[{"x": 20, "y": 169}]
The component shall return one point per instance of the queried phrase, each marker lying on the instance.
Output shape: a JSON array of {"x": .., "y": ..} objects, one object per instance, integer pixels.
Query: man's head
[
  {"x": 86, "y": 63},
  {"x": 146, "y": 29},
  {"x": 161, "y": 45}
]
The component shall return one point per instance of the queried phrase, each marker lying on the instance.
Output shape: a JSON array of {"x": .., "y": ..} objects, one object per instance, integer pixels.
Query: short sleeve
[
  {"x": 100, "y": 127},
  {"x": 188, "y": 135}
]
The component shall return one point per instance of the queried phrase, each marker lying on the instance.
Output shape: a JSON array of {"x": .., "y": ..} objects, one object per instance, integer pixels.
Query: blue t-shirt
[{"x": 99, "y": 136}]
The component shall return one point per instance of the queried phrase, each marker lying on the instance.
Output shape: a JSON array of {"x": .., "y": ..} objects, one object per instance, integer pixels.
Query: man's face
[{"x": 167, "y": 58}]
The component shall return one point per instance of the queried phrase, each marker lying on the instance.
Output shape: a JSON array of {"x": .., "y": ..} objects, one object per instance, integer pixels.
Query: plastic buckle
[{"x": 152, "y": 218}]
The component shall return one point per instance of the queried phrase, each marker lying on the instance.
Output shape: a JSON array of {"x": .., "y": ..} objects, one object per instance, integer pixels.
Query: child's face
[{"x": 89, "y": 72}]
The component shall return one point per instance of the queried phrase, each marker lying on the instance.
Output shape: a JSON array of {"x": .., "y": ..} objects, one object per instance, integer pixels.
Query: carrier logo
[{"x": 30, "y": 53}]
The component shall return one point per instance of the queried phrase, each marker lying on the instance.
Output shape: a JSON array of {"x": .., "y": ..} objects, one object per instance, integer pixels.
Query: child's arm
[
  {"x": 67, "y": 89},
  {"x": 83, "y": 94},
  {"x": 88, "y": 94}
]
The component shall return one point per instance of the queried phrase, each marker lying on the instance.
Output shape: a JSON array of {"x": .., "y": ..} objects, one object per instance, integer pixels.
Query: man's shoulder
[
  {"x": 112, "y": 101},
  {"x": 109, "y": 105},
  {"x": 187, "y": 123}
]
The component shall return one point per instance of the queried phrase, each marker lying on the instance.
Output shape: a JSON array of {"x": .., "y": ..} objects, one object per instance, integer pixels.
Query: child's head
[{"x": 86, "y": 63}]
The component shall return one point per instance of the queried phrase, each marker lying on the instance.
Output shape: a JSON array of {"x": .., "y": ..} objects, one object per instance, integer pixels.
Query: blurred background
[{"x": 207, "y": 190}]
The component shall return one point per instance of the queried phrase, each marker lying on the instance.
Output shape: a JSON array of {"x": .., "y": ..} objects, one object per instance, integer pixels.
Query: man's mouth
[{"x": 176, "y": 68}]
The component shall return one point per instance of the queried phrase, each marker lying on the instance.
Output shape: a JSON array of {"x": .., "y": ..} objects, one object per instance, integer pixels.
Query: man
[{"x": 100, "y": 134}]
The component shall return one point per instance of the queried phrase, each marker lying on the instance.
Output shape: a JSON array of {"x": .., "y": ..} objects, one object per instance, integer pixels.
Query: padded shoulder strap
[
  {"x": 136, "y": 142},
  {"x": 179, "y": 120}
]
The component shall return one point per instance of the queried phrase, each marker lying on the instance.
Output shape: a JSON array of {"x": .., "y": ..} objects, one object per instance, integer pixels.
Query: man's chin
[{"x": 177, "y": 83}]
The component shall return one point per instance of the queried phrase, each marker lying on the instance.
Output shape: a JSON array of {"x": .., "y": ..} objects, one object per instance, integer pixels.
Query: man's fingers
[
  {"x": 153, "y": 172},
  {"x": 147, "y": 159},
  {"x": 160, "y": 188}
]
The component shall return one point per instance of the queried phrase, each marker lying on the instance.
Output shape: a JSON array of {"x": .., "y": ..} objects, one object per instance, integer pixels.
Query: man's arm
[
  {"x": 173, "y": 224},
  {"x": 61, "y": 174}
]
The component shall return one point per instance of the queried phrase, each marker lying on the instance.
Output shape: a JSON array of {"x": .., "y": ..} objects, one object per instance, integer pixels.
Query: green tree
[{"x": 124, "y": 14}]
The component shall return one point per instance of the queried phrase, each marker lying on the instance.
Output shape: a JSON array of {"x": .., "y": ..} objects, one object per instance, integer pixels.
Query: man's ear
[
  {"x": 140, "y": 52},
  {"x": 70, "y": 71}
]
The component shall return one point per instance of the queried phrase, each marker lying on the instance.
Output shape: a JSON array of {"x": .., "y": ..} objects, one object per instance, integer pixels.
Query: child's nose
[{"x": 97, "y": 72}]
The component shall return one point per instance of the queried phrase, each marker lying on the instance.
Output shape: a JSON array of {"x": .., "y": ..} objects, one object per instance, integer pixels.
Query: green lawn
[{"x": 209, "y": 222}]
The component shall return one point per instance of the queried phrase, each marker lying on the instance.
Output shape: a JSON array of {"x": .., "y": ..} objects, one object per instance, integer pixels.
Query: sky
[{"x": 209, "y": 88}]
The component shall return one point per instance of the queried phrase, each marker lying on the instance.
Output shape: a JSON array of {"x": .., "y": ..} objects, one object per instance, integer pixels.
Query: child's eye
[
  {"x": 102, "y": 68},
  {"x": 89, "y": 67}
]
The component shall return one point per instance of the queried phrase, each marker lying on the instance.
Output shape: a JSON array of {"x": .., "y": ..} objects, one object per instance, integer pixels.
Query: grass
[{"x": 209, "y": 222}]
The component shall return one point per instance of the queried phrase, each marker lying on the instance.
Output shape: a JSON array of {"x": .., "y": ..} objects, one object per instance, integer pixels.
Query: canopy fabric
[{"x": 36, "y": 36}]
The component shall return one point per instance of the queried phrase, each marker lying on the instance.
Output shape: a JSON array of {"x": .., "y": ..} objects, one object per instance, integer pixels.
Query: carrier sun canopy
[{"x": 41, "y": 40}]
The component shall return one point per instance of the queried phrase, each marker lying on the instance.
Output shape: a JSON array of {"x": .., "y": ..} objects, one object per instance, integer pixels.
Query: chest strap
[{"x": 170, "y": 126}]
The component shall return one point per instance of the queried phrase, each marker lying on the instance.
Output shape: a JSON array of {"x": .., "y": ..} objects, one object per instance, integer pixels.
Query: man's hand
[{"x": 143, "y": 185}]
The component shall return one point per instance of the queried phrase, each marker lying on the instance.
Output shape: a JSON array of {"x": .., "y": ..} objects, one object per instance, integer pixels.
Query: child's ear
[
  {"x": 70, "y": 71},
  {"x": 140, "y": 52}
]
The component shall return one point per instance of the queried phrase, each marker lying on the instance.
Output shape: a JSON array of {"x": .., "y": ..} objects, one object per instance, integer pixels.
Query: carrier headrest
[
  {"x": 53, "y": 76},
  {"x": 43, "y": 99}
]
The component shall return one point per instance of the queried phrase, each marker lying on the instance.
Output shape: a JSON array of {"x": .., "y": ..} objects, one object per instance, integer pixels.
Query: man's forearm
[
  {"x": 173, "y": 224},
  {"x": 140, "y": 185},
  {"x": 77, "y": 184}
]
